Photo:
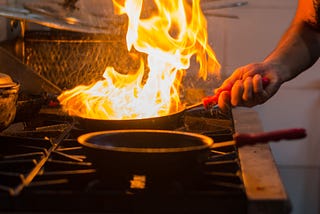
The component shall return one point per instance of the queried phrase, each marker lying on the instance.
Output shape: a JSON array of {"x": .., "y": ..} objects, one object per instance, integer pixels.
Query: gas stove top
[{"x": 43, "y": 168}]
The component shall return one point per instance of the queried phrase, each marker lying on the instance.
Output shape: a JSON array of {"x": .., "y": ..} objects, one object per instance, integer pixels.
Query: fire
[{"x": 170, "y": 33}]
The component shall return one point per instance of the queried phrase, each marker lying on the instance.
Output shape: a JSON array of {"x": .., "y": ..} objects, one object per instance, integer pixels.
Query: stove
[{"x": 44, "y": 169}]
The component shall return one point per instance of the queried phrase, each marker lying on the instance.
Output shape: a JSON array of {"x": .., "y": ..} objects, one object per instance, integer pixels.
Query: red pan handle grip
[
  {"x": 213, "y": 100},
  {"x": 286, "y": 134}
]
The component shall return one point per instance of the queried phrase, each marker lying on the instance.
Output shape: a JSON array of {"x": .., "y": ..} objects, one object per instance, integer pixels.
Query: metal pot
[{"x": 8, "y": 99}]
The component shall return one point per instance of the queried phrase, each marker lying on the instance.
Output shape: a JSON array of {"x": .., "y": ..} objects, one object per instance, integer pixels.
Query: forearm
[{"x": 298, "y": 50}]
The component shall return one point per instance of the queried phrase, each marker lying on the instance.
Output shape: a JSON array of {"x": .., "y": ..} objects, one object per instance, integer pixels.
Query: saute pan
[
  {"x": 160, "y": 153},
  {"x": 167, "y": 122},
  {"x": 157, "y": 153}
]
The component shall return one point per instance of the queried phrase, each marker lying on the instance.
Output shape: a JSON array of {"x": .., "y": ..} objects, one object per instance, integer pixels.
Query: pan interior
[{"x": 150, "y": 141}]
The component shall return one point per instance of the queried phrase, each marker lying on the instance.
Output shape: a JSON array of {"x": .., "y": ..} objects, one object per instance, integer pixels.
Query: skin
[{"x": 298, "y": 49}]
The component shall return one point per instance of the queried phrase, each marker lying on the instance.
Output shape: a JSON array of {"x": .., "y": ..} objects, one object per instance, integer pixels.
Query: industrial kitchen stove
[{"x": 44, "y": 169}]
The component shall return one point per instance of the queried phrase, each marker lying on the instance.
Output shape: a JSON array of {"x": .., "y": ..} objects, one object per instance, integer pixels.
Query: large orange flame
[{"x": 170, "y": 33}]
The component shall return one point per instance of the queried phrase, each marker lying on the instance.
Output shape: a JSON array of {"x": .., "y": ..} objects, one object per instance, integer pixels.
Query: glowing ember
[{"x": 170, "y": 35}]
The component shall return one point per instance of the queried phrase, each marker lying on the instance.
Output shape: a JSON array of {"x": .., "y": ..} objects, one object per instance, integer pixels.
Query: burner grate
[{"x": 37, "y": 165}]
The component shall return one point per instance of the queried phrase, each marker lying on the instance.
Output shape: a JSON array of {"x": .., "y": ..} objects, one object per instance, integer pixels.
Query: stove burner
[{"x": 41, "y": 161}]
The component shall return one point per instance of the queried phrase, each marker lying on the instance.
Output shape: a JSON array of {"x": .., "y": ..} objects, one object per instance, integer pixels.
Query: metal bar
[
  {"x": 71, "y": 172},
  {"x": 72, "y": 157},
  {"x": 223, "y": 144},
  {"x": 213, "y": 6},
  {"x": 71, "y": 162},
  {"x": 28, "y": 179},
  {"x": 69, "y": 148},
  {"x": 22, "y": 155},
  {"x": 208, "y": 13},
  {"x": 48, "y": 182}
]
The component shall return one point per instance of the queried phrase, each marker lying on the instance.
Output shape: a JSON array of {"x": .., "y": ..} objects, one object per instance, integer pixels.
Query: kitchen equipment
[
  {"x": 69, "y": 59},
  {"x": 30, "y": 82},
  {"x": 162, "y": 154},
  {"x": 167, "y": 122},
  {"x": 170, "y": 121},
  {"x": 45, "y": 51},
  {"x": 81, "y": 16},
  {"x": 242, "y": 139},
  {"x": 37, "y": 164},
  {"x": 211, "y": 5},
  {"x": 33, "y": 88},
  {"x": 44, "y": 172},
  {"x": 55, "y": 15},
  {"x": 8, "y": 99}
]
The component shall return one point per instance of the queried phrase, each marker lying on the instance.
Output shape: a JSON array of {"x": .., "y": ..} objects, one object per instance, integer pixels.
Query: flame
[{"x": 170, "y": 33}]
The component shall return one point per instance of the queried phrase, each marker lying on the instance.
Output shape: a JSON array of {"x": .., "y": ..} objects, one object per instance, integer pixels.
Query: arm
[{"x": 298, "y": 49}]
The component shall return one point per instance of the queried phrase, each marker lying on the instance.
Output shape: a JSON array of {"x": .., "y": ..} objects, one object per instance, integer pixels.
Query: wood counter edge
[{"x": 263, "y": 185}]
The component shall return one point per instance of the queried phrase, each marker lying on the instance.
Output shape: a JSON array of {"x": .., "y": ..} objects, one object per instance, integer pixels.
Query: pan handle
[
  {"x": 286, "y": 134},
  {"x": 213, "y": 100},
  {"x": 243, "y": 139}
]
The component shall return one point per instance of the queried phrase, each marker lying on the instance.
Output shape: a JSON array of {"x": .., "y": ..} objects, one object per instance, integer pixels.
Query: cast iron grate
[{"x": 43, "y": 168}]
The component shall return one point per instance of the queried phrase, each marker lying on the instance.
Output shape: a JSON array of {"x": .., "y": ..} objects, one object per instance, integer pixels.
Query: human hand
[{"x": 247, "y": 88}]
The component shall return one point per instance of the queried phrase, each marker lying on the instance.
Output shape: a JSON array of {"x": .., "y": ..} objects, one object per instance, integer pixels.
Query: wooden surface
[{"x": 264, "y": 188}]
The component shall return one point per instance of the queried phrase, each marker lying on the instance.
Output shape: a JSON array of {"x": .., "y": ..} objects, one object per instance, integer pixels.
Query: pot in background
[{"x": 8, "y": 100}]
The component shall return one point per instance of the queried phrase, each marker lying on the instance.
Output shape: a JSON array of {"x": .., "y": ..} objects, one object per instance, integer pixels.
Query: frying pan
[
  {"x": 162, "y": 154},
  {"x": 167, "y": 122}
]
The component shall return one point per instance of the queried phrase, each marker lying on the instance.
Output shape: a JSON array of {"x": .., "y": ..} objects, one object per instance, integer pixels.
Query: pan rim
[
  {"x": 183, "y": 108},
  {"x": 207, "y": 141},
  {"x": 132, "y": 119}
]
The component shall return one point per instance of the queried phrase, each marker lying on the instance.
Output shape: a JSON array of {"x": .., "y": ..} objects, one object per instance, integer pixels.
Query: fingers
[
  {"x": 257, "y": 84},
  {"x": 236, "y": 93},
  {"x": 224, "y": 101},
  {"x": 229, "y": 82},
  {"x": 248, "y": 92},
  {"x": 248, "y": 89},
  {"x": 246, "y": 84}
]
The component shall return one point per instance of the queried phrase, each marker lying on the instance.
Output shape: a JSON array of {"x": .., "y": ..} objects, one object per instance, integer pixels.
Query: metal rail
[{"x": 28, "y": 179}]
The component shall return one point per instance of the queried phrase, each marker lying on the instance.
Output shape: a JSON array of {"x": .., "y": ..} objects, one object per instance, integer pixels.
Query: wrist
[{"x": 281, "y": 70}]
